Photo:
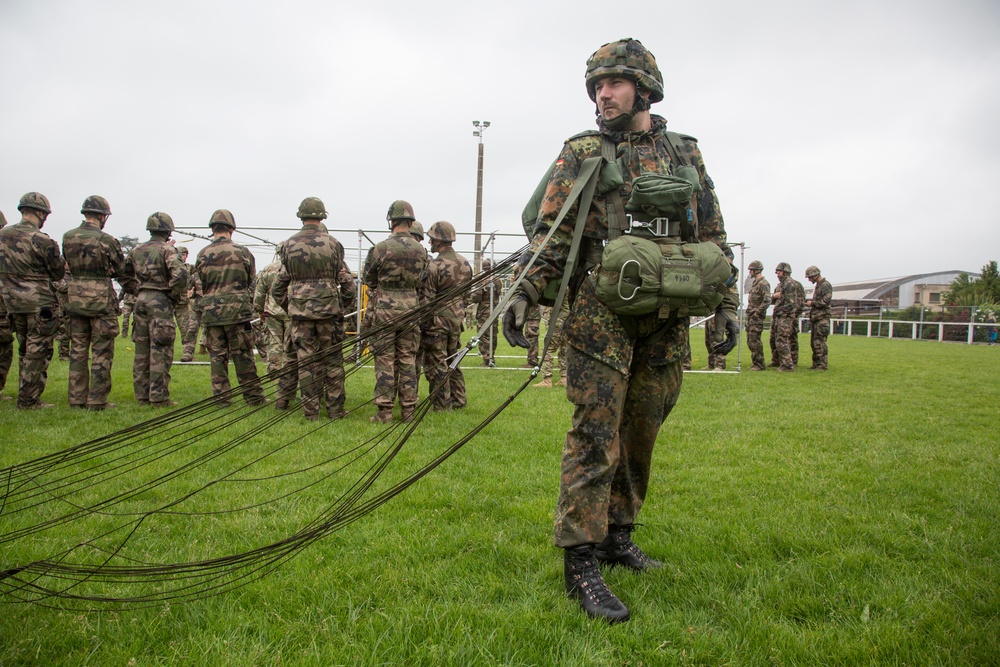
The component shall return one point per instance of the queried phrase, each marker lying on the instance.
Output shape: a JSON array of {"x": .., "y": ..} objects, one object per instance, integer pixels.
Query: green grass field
[{"x": 839, "y": 518}]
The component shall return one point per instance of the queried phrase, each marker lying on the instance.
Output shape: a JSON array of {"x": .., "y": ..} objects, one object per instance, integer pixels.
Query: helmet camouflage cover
[
  {"x": 626, "y": 58},
  {"x": 442, "y": 231},
  {"x": 160, "y": 222},
  {"x": 784, "y": 266},
  {"x": 416, "y": 229},
  {"x": 35, "y": 200},
  {"x": 3, "y": 220},
  {"x": 312, "y": 208},
  {"x": 222, "y": 217},
  {"x": 756, "y": 265},
  {"x": 96, "y": 204},
  {"x": 812, "y": 271},
  {"x": 400, "y": 210},
  {"x": 182, "y": 249}
]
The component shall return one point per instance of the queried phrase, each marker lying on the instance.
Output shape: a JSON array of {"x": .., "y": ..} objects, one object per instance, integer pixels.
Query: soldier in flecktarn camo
[
  {"x": 29, "y": 265},
  {"x": 159, "y": 276},
  {"x": 227, "y": 271},
  {"x": 624, "y": 373},
  {"x": 311, "y": 286},
  {"x": 819, "y": 317},
  {"x": 94, "y": 259},
  {"x": 396, "y": 275},
  {"x": 6, "y": 334},
  {"x": 271, "y": 314},
  {"x": 443, "y": 329},
  {"x": 758, "y": 299}
]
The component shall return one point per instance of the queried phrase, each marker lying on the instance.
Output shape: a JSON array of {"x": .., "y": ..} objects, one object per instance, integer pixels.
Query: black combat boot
[
  {"x": 619, "y": 549},
  {"x": 585, "y": 583}
]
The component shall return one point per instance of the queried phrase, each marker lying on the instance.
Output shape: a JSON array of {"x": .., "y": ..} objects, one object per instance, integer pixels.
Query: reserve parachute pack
[{"x": 653, "y": 260}]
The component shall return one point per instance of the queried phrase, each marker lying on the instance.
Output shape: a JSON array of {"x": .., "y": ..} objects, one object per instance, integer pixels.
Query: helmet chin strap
[{"x": 622, "y": 120}]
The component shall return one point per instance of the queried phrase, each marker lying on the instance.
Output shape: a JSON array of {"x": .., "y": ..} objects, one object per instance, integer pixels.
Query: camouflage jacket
[
  {"x": 155, "y": 265},
  {"x": 94, "y": 258},
  {"x": 313, "y": 277},
  {"x": 759, "y": 298},
  {"x": 637, "y": 153},
  {"x": 185, "y": 296},
  {"x": 800, "y": 297},
  {"x": 29, "y": 264},
  {"x": 226, "y": 271},
  {"x": 263, "y": 298},
  {"x": 821, "y": 297},
  {"x": 481, "y": 297},
  {"x": 396, "y": 272},
  {"x": 448, "y": 270},
  {"x": 783, "y": 299}
]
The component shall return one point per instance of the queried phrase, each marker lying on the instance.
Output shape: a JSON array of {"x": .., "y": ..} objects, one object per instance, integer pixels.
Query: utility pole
[{"x": 478, "y": 255}]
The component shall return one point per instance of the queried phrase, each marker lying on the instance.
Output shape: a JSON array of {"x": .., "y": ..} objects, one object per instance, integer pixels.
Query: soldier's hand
[
  {"x": 513, "y": 321},
  {"x": 732, "y": 335}
]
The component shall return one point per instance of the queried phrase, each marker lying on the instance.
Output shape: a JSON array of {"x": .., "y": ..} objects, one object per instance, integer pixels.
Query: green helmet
[
  {"x": 3, "y": 220},
  {"x": 630, "y": 59},
  {"x": 417, "y": 230},
  {"x": 35, "y": 200},
  {"x": 442, "y": 231},
  {"x": 312, "y": 208},
  {"x": 400, "y": 210},
  {"x": 487, "y": 263},
  {"x": 784, "y": 266},
  {"x": 182, "y": 250},
  {"x": 96, "y": 204},
  {"x": 812, "y": 271},
  {"x": 756, "y": 265},
  {"x": 160, "y": 222},
  {"x": 224, "y": 218}
]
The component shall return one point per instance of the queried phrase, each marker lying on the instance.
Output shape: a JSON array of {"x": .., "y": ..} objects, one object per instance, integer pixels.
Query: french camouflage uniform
[
  {"x": 532, "y": 327},
  {"x": 273, "y": 316},
  {"x": 160, "y": 276},
  {"x": 95, "y": 259},
  {"x": 557, "y": 342},
  {"x": 226, "y": 271},
  {"x": 624, "y": 372},
  {"x": 310, "y": 286},
  {"x": 182, "y": 309},
  {"x": 29, "y": 265},
  {"x": 758, "y": 299},
  {"x": 396, "y": 272},
  {"x": 62, "y": 332},
  {"x": 819, "y": 321},
  {"x": 128, "y": 306},
  {"x": 485, "y": 300},
  {"x": 800, "y": 306},
  {"x": 443, "y": 332},
  {"x": 189, "y": 337},
  {"x": 783, "y": 324}
]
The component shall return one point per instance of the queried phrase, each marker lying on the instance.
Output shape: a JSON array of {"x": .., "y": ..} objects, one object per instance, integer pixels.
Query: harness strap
[{"x": 615, "y": 208}]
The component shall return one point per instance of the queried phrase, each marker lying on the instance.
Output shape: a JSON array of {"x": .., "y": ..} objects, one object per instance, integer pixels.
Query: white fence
[{"x": 967, "y": 332}]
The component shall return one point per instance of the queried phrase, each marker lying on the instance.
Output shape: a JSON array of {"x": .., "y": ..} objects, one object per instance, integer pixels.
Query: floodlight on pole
[{"x": 477, "y": 257}]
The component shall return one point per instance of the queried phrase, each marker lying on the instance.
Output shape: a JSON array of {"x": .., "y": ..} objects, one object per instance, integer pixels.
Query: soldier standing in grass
[
  {"x": 486, "y": 299},
  {"x": 226, "y": 271},
  {"x": 557, "y": 342},
  {"x": 800, "y": 306},
  {"x": 819, "y": 317},
  {"x": 271, "y": 314},
  {"x": 624, "y": 373},
  {"x": 758, "y": 299},
  {"x": 6, "y": 335},
  {"x": 182, "y": 310},
  {"x": 29, "y": 265},
  {"x": 783, "y": 326},
  {"x": 396, "y": 275},
  {"x": 310, "y": 286},
  {"x": 160, "y": 276},
  {"x": 94, "y": 259},
  {"x": 444, "y": 330}
]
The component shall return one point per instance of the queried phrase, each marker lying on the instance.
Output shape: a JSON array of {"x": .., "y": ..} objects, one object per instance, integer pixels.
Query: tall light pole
[{"x": 480, "y": 129}]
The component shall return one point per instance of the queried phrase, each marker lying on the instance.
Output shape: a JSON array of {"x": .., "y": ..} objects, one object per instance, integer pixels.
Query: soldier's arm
[
  {"x": 279, "y": 289},
  {"x": 177, "y": 271},
  {"x": 260, "y": 292},
  {"x": 55, "y": 265}
]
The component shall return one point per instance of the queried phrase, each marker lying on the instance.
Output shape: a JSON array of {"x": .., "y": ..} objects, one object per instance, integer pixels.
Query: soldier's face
[
  {"x": 813, "y": 279},
  {"x": 615, "y": 96}
]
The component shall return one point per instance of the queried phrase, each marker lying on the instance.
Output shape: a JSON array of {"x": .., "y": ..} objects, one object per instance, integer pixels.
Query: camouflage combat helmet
[
  {"x": 627, "y": 58},
  {"x": 160, "y": 222},
  {"x": 182, "y": 250},
  {"x": 812, "y": 271},
  {"x": 312, "y": 208},
  {"x": 487, "y": 263},
  {"x": 96, "y": 204},
  {"x": 784, "y": 266},
  {"x": 35, "y": 200},
  {"x": 400, "y": 210},
  {"x": 3, "y": 220},
  {"x": 417, "y": 230},
  {"x": 756, "y": 265},
  {"x": 442, "y": 231},
  {"x": 224, "y": 218}
]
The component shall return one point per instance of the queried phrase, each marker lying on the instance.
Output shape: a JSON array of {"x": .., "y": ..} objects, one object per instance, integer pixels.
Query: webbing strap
[
  {"x": 615, "y": 207},
  {"x": 678, "y": 155}
]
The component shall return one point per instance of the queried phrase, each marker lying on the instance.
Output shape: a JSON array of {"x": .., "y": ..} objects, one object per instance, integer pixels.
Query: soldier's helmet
[
  {"x": 160, "y": 222},
  {"x": 400, "y": 210},
  {"x": 783, "y": 266},
  {"x": 812, "y": 271},
  {"x": 627, "y": 58},
  {"x": 312, "y": 208},
  {"x": 222, "y": 217},
  {"x": 416, "y": 229},
  {"x": 182, "y": 250},
  {"x": 96, "y": 204},
  {"x": 3, "y": 220},
  {"x": 487, "y": 263},
  {"x": 756, "y": 265},
  {"x": 442, "y": 231},
  {"x": 35, "y": 200}
]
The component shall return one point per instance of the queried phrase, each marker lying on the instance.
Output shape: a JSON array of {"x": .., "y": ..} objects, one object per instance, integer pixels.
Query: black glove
[
  {"x": 513, "y": 321},
  {"x": 732, "y": 335}
]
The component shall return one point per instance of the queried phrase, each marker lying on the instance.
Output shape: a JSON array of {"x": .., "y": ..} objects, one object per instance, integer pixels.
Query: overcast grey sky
[{"x": 861, "y": 136}]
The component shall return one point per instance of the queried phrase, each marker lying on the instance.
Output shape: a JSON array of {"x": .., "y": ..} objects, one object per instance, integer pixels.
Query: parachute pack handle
[{"x": 621, "y": 279}]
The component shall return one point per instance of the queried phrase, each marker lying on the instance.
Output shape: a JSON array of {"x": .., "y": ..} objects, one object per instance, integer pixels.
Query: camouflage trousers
[
  {"x": 793, "y": 342},
  {"x": 488, "y": 343},
  {"x": 819, "y": 332},
  {"x": 556, "y": 341},
  {"x": 154, "y": 335},
  {"x": 190, "y": 335},
  {"x": 755, "y": 328},
  {"x": 182, "y": 313},
  {"x": 90, "y": 379},
  {"x": 6, "y": 348},
  {"x": 62, "y": 337},
  {"x": 532, "y": 324},
  {"x": 127, "y": 309},
  {"x": 260, "y": 336},
  {"x": 439, "y": 345},
  {"x": 314, "y": 359},
  {"x": 233, "y": 341},
  {"x": 395, "y": 353},
  {"x": 277, "y": 329},
  {"x": 35, "y": 335},
  {"x": 714, "y": 334},
  {"x": 782, "y": 334}
]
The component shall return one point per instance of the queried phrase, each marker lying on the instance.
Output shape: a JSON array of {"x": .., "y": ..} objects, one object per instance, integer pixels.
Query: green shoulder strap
[{"x": 686, "y": 170}]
